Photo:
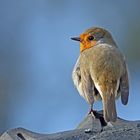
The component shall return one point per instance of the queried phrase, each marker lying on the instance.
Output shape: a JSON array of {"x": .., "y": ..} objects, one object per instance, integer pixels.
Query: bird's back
[{"x": 106, "y": 63}]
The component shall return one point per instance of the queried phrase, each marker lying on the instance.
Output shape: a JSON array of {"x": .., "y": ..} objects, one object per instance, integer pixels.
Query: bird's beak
[{"x": 76, "y": 38}]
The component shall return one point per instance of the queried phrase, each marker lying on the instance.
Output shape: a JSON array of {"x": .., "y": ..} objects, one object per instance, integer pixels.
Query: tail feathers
[{"x": 109, "y": 106}]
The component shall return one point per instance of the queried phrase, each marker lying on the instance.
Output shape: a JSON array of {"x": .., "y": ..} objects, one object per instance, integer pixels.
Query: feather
[{"x": 124, "y": 86}]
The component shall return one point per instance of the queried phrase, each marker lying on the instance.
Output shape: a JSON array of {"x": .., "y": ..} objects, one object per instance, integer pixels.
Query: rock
[
  {"x": 138, "y": 125},
  {"x": 90, "y": 128}
]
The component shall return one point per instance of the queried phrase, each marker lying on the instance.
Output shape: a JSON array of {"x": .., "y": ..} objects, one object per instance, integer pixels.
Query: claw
[
  {"x": 92, "y": 112},
  {"x": 99, "y": 116}
]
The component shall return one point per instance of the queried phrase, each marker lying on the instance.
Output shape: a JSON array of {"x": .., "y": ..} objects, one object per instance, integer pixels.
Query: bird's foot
[
  {"x": 96, "y": 115},
  {"x": 93, "y": 113}
]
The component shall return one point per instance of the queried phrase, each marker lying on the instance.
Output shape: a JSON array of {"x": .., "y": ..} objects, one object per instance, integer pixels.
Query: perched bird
[{"x": 100, "y": 72}]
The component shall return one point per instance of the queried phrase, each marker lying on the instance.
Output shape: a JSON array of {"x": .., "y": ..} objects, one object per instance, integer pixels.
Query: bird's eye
[{"x": 90, "y": 38}]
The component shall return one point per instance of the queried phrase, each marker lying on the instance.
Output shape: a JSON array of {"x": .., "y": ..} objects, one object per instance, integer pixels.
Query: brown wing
[
  {"x": 76, "y": 74},
  {"x": 83, "y": 83},
  {"x": 87, "y": 87},
  {"x": 124, "y": 86}
]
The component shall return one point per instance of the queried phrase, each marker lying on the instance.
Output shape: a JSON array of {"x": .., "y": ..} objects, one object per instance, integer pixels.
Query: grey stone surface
[{"x": 89, "y": 129}]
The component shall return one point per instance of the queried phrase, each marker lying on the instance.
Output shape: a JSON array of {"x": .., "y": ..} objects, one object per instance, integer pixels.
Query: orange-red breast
[{"x": 100, "y": 71}]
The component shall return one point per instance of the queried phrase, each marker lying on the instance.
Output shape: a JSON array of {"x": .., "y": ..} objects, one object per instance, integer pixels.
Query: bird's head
[{"x": 92, "y": 37}]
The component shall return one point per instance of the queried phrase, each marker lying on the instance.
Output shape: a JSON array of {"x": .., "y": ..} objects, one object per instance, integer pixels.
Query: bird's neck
[{"x": 109, "y": 41}]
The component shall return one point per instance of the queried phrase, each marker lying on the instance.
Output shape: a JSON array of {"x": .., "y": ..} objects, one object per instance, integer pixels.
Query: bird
[{"x": 101, "y": 72}]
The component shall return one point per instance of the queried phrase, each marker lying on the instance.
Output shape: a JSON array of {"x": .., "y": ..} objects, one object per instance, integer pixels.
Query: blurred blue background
[{"x": 37, "y": 58}]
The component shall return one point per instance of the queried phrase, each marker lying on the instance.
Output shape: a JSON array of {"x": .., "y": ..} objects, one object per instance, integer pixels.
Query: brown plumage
[{"x": 100, "y": 71}]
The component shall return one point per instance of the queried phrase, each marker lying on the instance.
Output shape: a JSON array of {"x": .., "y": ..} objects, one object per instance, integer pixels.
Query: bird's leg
[
  {"x": 97, "y": 115},
  {"x": 94, "y": 115},
  {"x": 92, "y": 112}
]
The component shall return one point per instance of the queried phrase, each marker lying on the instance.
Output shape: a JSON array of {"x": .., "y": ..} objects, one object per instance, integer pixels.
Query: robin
[{"x": 100, "y": 72}]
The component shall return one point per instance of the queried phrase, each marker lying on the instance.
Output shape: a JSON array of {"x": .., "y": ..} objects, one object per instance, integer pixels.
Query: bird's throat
[{"x": 87, "y": 45}]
